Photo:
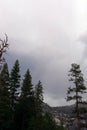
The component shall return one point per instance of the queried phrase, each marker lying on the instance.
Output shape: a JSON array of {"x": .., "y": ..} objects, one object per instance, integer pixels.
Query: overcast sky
[{"x": 47, "y": 36}]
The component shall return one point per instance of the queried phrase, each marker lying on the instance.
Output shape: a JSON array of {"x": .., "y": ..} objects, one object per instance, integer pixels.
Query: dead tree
[{"x": 3, "y": 48}]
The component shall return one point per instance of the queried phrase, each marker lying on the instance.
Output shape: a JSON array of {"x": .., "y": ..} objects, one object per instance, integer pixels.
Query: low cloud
[{"x": 49, "y": 63}]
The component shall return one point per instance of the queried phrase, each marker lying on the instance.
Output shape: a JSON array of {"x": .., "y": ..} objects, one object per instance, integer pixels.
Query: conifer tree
[
  {"x": 27, "y": 87},
  {"x": 14, "y": 83},
  {"x": 39, "y": 97},
  {"x": 4, "y": 79},
  {"x": 37, "y": 119},
  {"x": 5, "y": 110},
  {"x": 75, "y": 93},
  {"x": 25, "y": 107}
]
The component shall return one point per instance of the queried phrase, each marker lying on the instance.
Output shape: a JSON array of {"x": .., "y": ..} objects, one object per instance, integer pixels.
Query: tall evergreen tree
[
  {"x": 75, "y": 93},
  {"x": 37, "y": 120},
  {"x": 4, "y": 79},
  {"x": 5, "y": 110},
  {"x": 27, "y": 87},
  {"x": 39, "y": 97},
  {"x": 14, "y": 83},
  {"x": 25, "y": 107}
]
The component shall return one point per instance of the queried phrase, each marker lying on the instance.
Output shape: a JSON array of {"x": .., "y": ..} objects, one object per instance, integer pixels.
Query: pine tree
[
  {"x": 75, "y": 93},
  {"x": 37, "y": 120},
  {"x": 27, "y": 87},
  {"x": 5, "y": 110},
  {"x": 14, "y": 83},
  {"x": 39, "y": 97},
  {"x": 25, "y": 107},
  {"x": 4, "y": 80}
]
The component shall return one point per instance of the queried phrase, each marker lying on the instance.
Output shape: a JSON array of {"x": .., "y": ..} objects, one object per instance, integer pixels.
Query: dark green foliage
[
  {"x": 5, "y": 75},
  {"x": 4, "y": 83},
  {"x": 36, "y": 122},
  {"x": 75, "y": 93},
  {"x": 25, "y": 109},
  {"x": 5, "y": 115},
  {"x": 22, "y": 110},
  {"x": 39, "y": 97},
  {"x": 39, "y": 92},
  {"x": 23, "y": 114},
  {"x": 5, "y": 110},
  {"x": 45, "y": 122},
  {"x": 27, "y": 89},
  {"x": 49, "y": 123},
  {"x": 76, "y": 77},
  {"x": 14, "y": 83}
]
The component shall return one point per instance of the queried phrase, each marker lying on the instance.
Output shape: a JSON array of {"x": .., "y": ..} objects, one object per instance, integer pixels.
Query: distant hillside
[
  {"x": 47, "y": 108},
  {"x": 56, "y": 110},
  {"x": 63, "y": 109},
  {"x": 68, "y": 110}
]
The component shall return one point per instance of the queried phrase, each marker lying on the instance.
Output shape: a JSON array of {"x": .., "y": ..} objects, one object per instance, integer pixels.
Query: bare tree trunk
[
  {"x": 3, "y": 49},
  {"x": 77, "y": 110}
]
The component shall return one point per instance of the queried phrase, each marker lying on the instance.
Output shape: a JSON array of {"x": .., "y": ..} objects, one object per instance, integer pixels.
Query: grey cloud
[
  {"x": 51, "y": 74},
  {"x": 48, "y": 61},
  {"x": 42, "y": 36},
  {"x": 83, "y": 40}
]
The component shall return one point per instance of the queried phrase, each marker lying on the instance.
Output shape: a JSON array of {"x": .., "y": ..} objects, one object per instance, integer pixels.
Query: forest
[{"x": 20, "y": 100}]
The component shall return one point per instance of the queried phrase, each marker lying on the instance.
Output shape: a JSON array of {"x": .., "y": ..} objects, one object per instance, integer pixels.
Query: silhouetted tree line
[{"x": 21, "y": 102}]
